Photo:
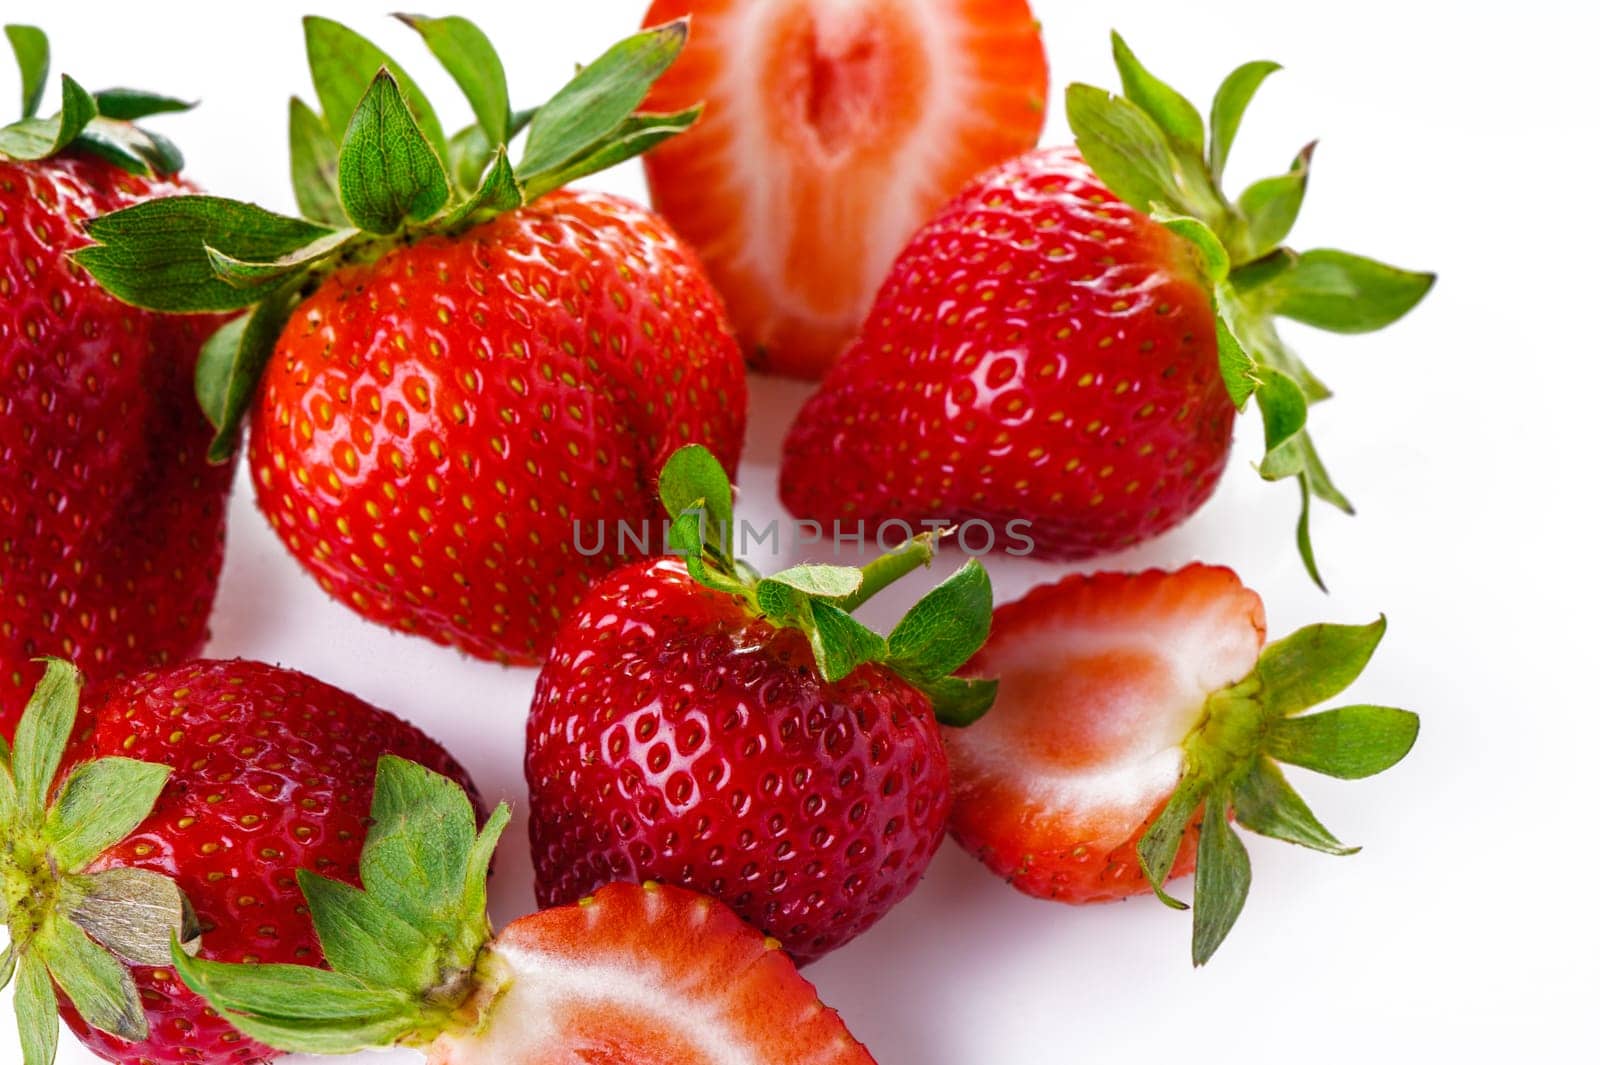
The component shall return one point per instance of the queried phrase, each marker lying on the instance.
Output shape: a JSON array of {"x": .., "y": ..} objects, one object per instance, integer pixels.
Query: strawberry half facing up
[
  {"x": 744, "y": 736},
  {"x": 110, "y": 518},
  {"x": 244, "y": 774},
  {"x": 1066, "y": 343},
  {"x": 635, "y": 975},
  {"x": 449, "y": 362},
  {"x": 833, "y": 129},
  {"x": 1137, "y": 715}
]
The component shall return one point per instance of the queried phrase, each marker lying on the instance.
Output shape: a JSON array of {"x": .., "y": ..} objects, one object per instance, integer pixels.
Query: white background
[{"x": 1458, "y": 137}]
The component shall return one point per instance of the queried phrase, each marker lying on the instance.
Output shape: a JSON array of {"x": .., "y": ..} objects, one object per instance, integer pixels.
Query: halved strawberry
[
  {"x": 1137, "y": 714},
  {"x": 833, "y": 129}
]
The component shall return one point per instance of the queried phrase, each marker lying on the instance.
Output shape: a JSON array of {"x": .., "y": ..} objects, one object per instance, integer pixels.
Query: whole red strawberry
[
  {"x": 1138, "y": 714},
  {"x": 1066, "y": 343},
  {"x": 745, "y": 736},
  {"x": 110, "y": 518},
  {"x": 457, "y": 364},
  {"x": 186, "y": 802}
]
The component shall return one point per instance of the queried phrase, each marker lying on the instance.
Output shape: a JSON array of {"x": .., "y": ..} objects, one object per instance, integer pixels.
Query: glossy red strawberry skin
[
  {"x": 432, "y": 424},
  {"x": 675, "y": 737},
  {"x": 111, "y": 520},
  {"x": 1041, "y": 352},
  {"x": 272, "y": 772}
]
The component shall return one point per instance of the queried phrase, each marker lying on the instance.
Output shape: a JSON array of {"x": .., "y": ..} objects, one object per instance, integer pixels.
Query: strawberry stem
[{"x": 888, "y": 568}]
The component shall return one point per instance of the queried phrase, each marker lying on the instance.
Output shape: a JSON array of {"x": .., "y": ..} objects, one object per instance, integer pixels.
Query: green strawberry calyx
[
  {"x": 1231, "y": 766},
  {"x": 935, "y": 638},
  {"x": 1150, "y": 147},
  {"x": 72, "y": 926},
  {"x": 373, "y": 170},
  {"x": 99, "y": 123},
  {"x": 408, "y": 951}
]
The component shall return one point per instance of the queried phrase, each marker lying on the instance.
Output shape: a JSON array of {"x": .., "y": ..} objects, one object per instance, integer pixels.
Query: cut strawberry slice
[
  {"x": 833, "y": 130},
  {"x": 650, "y": 975}
]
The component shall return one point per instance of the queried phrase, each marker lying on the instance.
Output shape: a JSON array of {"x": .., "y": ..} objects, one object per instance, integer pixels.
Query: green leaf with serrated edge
[
  {"x": 1158, "y": 847},
  {"x": 153, "y": 254},
  {"x": 1314, "y": 664},
  {"x": 946, "y": 627},
  {"x": 1345, "y": 293},
  {"x": 100, "y": 988},
  {"x": 32, "y": 49},
  {"x": 417, "y": 850},
  {"x": 595, "y": 103},
  {"x": 692, "y": 477},
  {"x": 822, "y": 581},
  {"x": 1349, "y": 743},
  {"x": 1124, "y": 147},
  {"x": 244, "y": 274},
  {"x": 1221, "y": 880},
  {"x": 1271, "y": 206},
  {"x": 34, "y": 1000},
  {"x": 1174, "y": 114},
  {"x": 343, "y": 64},
  {"x": 1302, "y": 534},
  {"x": 314, "y": 165},
  {"x": 99, "y": 804},
  {"x": 637, "y": 135},
  {"x": 959, "y": 701},
  {"x": 41, "y": 138},
  {"x": 133, "y": 913},
  {"x": 42, "y": 735},
  {"x": 1228, "y": 107},
  {"x": 388, "y": 173},
  {"x": 1214, "y": 257},
  {"x": 130, "y": 105},
  {"x": 498, "y": 193},
  {"x": 783, "y": 604},
  {"x": 1283, "y": 406},
  {"x": 841, "y": 643},
  {"x": 1264, "y": 803},
  {"x": 230, "y": 366},
  {"x": 469, "y": 57},
  {"x": 366, "y": 938}
]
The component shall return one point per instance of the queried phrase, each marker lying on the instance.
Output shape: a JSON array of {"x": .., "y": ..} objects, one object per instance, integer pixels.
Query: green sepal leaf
[
  {"x": 475, "y": 898},
  {"x": 470, "y": 150},
  {"x": 820, "y": 581},
  {"x": 637, "y": 135},
  {"x": 1349, "y": 743},
  {"x": 8, "y": 964},
  {"x": 1302, "y": 535},
  {"x": 32, "y": 49},
  {"x": 1264, "y": 803},
  {"x": 245, "y": 274},
  {"x": 136, "y": 150},
  {"x": 38, "y": 1025},
  {"x": 1283, "y": 406},
  {"x": 1176, "y": 116},
  {"x": 1158, "y": 847},
  {"x": 130, "y": 105},
  {"x": 388, "y": 172},
  {"x": 1214, "y": 259},
  {"x": 1228, "y": 107},
  {"x": 1124, "y": 147},
  {"x": 692, "y": 478},
  {"x": 99, "y": 987},
  {"x": 946, "y": 627},
  {"x": 959, "y": 701},
  {"x": 1271, "y": 206},
  {"x": 366, "y": 938},
  {"x": 40, "y": 138},
  {"x": 841, "y": 643},
  {"x": 1221, "y": 880},
  {"x": 133, "y": 913},
  {"x": 1345, "y": 293},
  {"x": 98, "y": 805},
  {"x": 1313, "y": 664},
  {"x": 230, "y": 366},
  {"x": 42, "y": 735},
  {"x": 498, "y": 193},
  {"x": 343, "y": 65},
  {"x": 1237, "y": 367},
  {"x": 155, "y": 254},
  {"x": 419, "y": 847},
  {"x": 592, "y": 107},
  {"x": 314, "y": 165},
  {"x": 467, "y": 55}
]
